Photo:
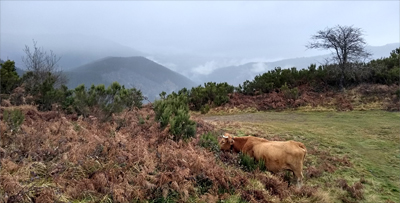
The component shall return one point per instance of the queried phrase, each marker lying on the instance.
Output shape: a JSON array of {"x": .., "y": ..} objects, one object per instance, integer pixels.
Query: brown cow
[
  {"x": 281, "y": 155},
  {"x": 239, "y": 144},
  {"x": 277, "y": 155}
]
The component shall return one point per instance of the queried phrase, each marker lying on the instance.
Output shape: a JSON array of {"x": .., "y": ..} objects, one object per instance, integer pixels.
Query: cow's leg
[{"x": 299, "y": 177}]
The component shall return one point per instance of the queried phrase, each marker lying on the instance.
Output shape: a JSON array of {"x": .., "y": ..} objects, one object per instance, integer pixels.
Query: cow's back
[
  {"x": 280, "y": 155},
  {"x": 251, "y": 142}
]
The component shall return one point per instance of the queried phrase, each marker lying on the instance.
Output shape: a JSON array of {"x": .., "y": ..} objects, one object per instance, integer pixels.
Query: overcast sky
[{"x": 247, "y": 29}]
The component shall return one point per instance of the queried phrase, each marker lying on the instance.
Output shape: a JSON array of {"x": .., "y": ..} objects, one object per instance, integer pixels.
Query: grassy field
[{"x": 368, "y": 140}]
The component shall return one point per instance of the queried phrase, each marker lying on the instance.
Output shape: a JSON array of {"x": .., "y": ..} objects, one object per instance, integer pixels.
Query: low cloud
[
  {"x": 168, "y": 65},
  {"x": 259, "y": 67},
  {"x": 206, "y": 68},
  {"x": 213, "y": 65}
]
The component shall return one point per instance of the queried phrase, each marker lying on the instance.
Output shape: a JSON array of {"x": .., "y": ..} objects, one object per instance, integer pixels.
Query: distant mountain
[
  {"x": 74, "y": 49},
  {"x": 235, "y": 75},
  {"x": 151, "y": 78}
]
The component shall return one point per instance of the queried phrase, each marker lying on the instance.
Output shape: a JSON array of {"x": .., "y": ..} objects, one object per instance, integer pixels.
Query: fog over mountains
[
  {"x": 95, "y": 60},
  {"x": 237, "y": 74}
]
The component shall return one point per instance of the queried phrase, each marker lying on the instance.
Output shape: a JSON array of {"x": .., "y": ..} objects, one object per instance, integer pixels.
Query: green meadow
[{"x": 367, "y": 142}]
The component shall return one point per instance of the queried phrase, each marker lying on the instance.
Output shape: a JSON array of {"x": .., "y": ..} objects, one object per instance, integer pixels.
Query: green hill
[{"x": 151, "y": 78}]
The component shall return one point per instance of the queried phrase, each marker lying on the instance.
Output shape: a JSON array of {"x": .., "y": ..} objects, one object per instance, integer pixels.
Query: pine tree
[{"x": 9, "y": 77}]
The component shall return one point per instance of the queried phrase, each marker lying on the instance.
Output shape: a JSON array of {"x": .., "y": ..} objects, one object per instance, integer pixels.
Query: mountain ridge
[
  {"x": 237, "y": 74},
  {"x": 132, "y": 72}
]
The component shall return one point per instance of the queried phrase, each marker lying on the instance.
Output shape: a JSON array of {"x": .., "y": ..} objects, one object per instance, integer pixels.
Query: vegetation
[
  {"x": 13, "y": 119},
  {"x": 209, "y": 141},
  {"x": 382, "y": 71},
  {"x": 173, "y": 112},
  {"x": 250, "y": 164},
  {"x": 211, "y": 95},
  {"x": 9, "y": 77},
  {"x": 102, "y": 103},
  {"x": 42, "y": 66},
  {"x": 346, "y": 41},
  {"x": 104, "y": 145},
  {"x": 352, "y": 156}
]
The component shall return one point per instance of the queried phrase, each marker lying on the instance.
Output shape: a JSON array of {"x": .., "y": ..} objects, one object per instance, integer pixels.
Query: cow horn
[{"x": 224, "y": 136}]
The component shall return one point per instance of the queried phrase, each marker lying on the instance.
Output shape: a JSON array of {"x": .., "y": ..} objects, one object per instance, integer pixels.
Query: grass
[
  {"x": 368, "y": 139},
  {"x": 352, "y": 157}
]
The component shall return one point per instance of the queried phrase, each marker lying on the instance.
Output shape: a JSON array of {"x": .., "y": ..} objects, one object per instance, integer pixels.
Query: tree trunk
[
  {"x": 341, "y": 82},
  {"x": 341, "y": 79}
]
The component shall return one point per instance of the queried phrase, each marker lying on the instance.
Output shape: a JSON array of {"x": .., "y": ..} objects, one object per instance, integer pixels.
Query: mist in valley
[{"x": 203, "y": 41}]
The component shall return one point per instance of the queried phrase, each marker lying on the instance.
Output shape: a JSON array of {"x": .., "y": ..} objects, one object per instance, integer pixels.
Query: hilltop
[{"x": 138, "y": 72}]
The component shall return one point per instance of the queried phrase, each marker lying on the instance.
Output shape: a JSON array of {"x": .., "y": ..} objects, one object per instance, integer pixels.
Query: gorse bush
[
  {"x": 44, "y": 93},
  {"x": 102, "y": 102},
  {"x": 382, "y": 71},
  {"x": 211, "y": 95},
  {"x": 13, "y": 119},
  {"x": 9, "y": 77},
  {"x": 209, "y": 141},
  {"x": 385, "y": 70},
  {"x": 250, "y": 164},
  {"x": 275, "y": 79},
  {"x": 290, "y": 93},
  {"x": 174, "y": 111},
  {"x": 203, "y": 183}
]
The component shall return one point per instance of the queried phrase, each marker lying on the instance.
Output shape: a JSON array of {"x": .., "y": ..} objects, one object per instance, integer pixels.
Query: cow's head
[{"x": 226, "y": 142}]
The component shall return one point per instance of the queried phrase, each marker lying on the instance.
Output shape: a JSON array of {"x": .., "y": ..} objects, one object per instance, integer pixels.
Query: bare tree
[
  {"x": 43, "y": 65},
  {"x": 347, "y": 44}
]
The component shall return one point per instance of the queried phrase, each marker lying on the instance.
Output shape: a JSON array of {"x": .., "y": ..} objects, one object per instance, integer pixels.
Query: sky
[{"x": 244, "y": 30}]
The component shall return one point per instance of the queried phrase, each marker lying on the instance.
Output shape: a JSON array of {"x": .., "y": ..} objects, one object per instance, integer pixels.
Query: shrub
[
  {"x": 211, "y": 95},
  {"x": 13, "y": 119},
  {"x": 9, "y": 77},
  {"x": 383, "y": 71},
  {"x": 203, "y": 183},
  {"x": 205, "y": 109},
  {"x": 17, "y": 96},
  {"x": 104, "y": 102},
  {"x": 250, "y": 164},
  {"x": 209, "y": 141},
  {"x": 290, "y": 93},
  {"x": 174, "y": 111},
  {"x": 355, "y": 192}
]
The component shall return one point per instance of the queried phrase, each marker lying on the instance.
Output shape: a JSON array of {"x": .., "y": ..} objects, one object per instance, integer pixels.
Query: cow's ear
[{"x": 231, "y": 141}]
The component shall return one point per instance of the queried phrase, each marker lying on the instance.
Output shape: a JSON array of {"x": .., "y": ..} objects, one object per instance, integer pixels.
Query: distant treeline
[
  {"x": 382, "y": 71},
  {"x": 326, "y": 77},
  {"x": 173, "y": 110}
]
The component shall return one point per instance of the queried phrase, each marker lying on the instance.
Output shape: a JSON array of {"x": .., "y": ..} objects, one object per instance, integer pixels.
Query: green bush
[
  {"x": 13, "y": 119},
  {"x": 383, "y": 71},
  {"x": 203, "y": 183},
  {"x": 209, "y": 141},
  {"x": 397, "y": 93},
  {"x": 250, "y": 164},
  {"x": 174, "y": 111},
  {"x": 102, "y": 102},
  {"x": 211, "y": 95},
  {"x": 290, "y": 93},
  {"x": 9, "y": 77},
  {"x": 205, "y": 109}
]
